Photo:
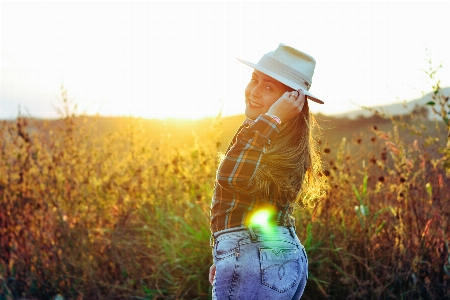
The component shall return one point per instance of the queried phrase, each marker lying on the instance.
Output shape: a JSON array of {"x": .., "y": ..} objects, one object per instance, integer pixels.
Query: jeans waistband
[{"x": 250, "y": 229}]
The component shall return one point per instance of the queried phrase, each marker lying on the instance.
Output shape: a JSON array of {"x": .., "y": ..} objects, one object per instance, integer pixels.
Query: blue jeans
[{"x": 255, "y": 263}]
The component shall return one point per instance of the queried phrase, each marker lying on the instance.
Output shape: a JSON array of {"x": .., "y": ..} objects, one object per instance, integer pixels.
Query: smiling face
[{"x": 261, "y": 92}]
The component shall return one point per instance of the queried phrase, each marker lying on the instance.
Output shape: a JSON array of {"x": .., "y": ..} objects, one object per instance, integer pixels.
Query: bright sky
[{"x": 178, "y": 59}]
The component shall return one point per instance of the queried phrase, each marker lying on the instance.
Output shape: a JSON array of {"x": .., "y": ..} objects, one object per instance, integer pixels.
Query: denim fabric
[{"x": 256, "y": 264}]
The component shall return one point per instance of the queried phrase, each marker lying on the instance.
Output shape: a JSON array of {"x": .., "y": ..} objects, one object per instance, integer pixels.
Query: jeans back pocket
[
  {"x": 226, "y": 248},
  {"x": 280, "y": 268}
]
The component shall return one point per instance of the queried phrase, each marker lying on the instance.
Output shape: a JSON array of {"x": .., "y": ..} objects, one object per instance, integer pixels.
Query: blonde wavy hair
[{"x": 291, "y": 168}]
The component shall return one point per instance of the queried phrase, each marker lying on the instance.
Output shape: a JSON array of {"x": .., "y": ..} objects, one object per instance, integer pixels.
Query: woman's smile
[{"x": 255, "y": 105}]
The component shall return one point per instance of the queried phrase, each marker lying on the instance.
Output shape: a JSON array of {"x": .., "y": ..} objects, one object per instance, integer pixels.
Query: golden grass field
[{"x": 118, "y": 208}]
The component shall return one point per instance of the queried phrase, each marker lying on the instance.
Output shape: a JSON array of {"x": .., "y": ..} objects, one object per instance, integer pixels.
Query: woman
[{"x": 271, "y": 164}]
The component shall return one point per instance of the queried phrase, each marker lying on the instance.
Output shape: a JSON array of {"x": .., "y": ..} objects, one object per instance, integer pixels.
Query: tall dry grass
[
  {"x": 91, "y": 216},
  {"x": 382, "y": 231}
]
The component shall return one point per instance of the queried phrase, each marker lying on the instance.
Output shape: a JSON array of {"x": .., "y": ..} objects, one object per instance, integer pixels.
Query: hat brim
[{"x": 283, "y": 80}]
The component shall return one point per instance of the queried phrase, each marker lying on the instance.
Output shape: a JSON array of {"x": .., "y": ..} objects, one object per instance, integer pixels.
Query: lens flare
[{"x": 263, "y": 218}]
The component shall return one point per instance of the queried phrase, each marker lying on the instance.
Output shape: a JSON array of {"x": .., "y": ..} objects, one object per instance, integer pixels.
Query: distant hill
[
  {"x": 184, "y": 132},
  {"x": 352, "y": 125},
  {"x": 393, "y": 109}
]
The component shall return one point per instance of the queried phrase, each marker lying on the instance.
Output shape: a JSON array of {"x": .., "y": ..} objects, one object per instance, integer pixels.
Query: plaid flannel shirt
[{"x": 232, "y": 203}]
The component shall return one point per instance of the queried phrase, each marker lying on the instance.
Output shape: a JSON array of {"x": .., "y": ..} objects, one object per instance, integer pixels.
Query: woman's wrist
[{"x": 274, "y": 117}]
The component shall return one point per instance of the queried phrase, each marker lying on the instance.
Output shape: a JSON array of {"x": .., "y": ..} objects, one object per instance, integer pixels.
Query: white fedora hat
[{"x": 290, "y": 66}]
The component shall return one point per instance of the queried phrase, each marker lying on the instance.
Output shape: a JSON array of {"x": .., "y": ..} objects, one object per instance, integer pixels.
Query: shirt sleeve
[{"x": 242, "y": 159}]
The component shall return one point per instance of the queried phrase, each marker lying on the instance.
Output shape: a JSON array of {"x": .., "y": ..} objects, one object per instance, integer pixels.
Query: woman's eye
[
  {"x": 268, "y": 87},
  {"x": 253, "y": 80}
]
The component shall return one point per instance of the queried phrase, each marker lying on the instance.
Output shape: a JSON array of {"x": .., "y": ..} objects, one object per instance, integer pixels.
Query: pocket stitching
[
  {"x": 263, "y": 270},
  {"x": 225, "y": 255}
]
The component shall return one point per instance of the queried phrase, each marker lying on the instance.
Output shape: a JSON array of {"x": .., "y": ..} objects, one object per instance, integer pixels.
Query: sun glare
[
  {"x": 122, "y": 59},
  {"x": 261, "y": 218}
]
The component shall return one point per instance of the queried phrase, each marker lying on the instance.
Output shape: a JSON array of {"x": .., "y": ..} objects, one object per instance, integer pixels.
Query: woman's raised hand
[{"x": 288, "y": 105}]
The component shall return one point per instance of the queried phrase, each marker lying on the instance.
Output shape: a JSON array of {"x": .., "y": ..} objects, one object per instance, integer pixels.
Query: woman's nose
[{"x": 255, "y": 91}]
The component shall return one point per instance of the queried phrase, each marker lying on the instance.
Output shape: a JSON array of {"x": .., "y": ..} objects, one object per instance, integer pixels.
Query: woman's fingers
[
  {"x": 301, "y": 104},
  {"x": 298, "y": 95},
  {"x": 212, "y": 273},
  {"x": 285, "y": 95},
  {"x": 299, "y": 98},
  {"x": 301, "y": 94},
  {"x": 302, "y": 98},
  {"x": 288, "y": 105},
  {"x": 293, "y": 94}
]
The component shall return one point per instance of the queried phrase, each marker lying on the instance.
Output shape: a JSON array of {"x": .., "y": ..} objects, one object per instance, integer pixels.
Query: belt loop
[
  {"x": 252, "y": 234},
  {"x": 211, "y": 241},
  {"x": 292, "y": 231}
]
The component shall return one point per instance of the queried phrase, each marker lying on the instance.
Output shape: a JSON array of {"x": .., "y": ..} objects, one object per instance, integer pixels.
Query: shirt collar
[{"x": 249, "y": 122}]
